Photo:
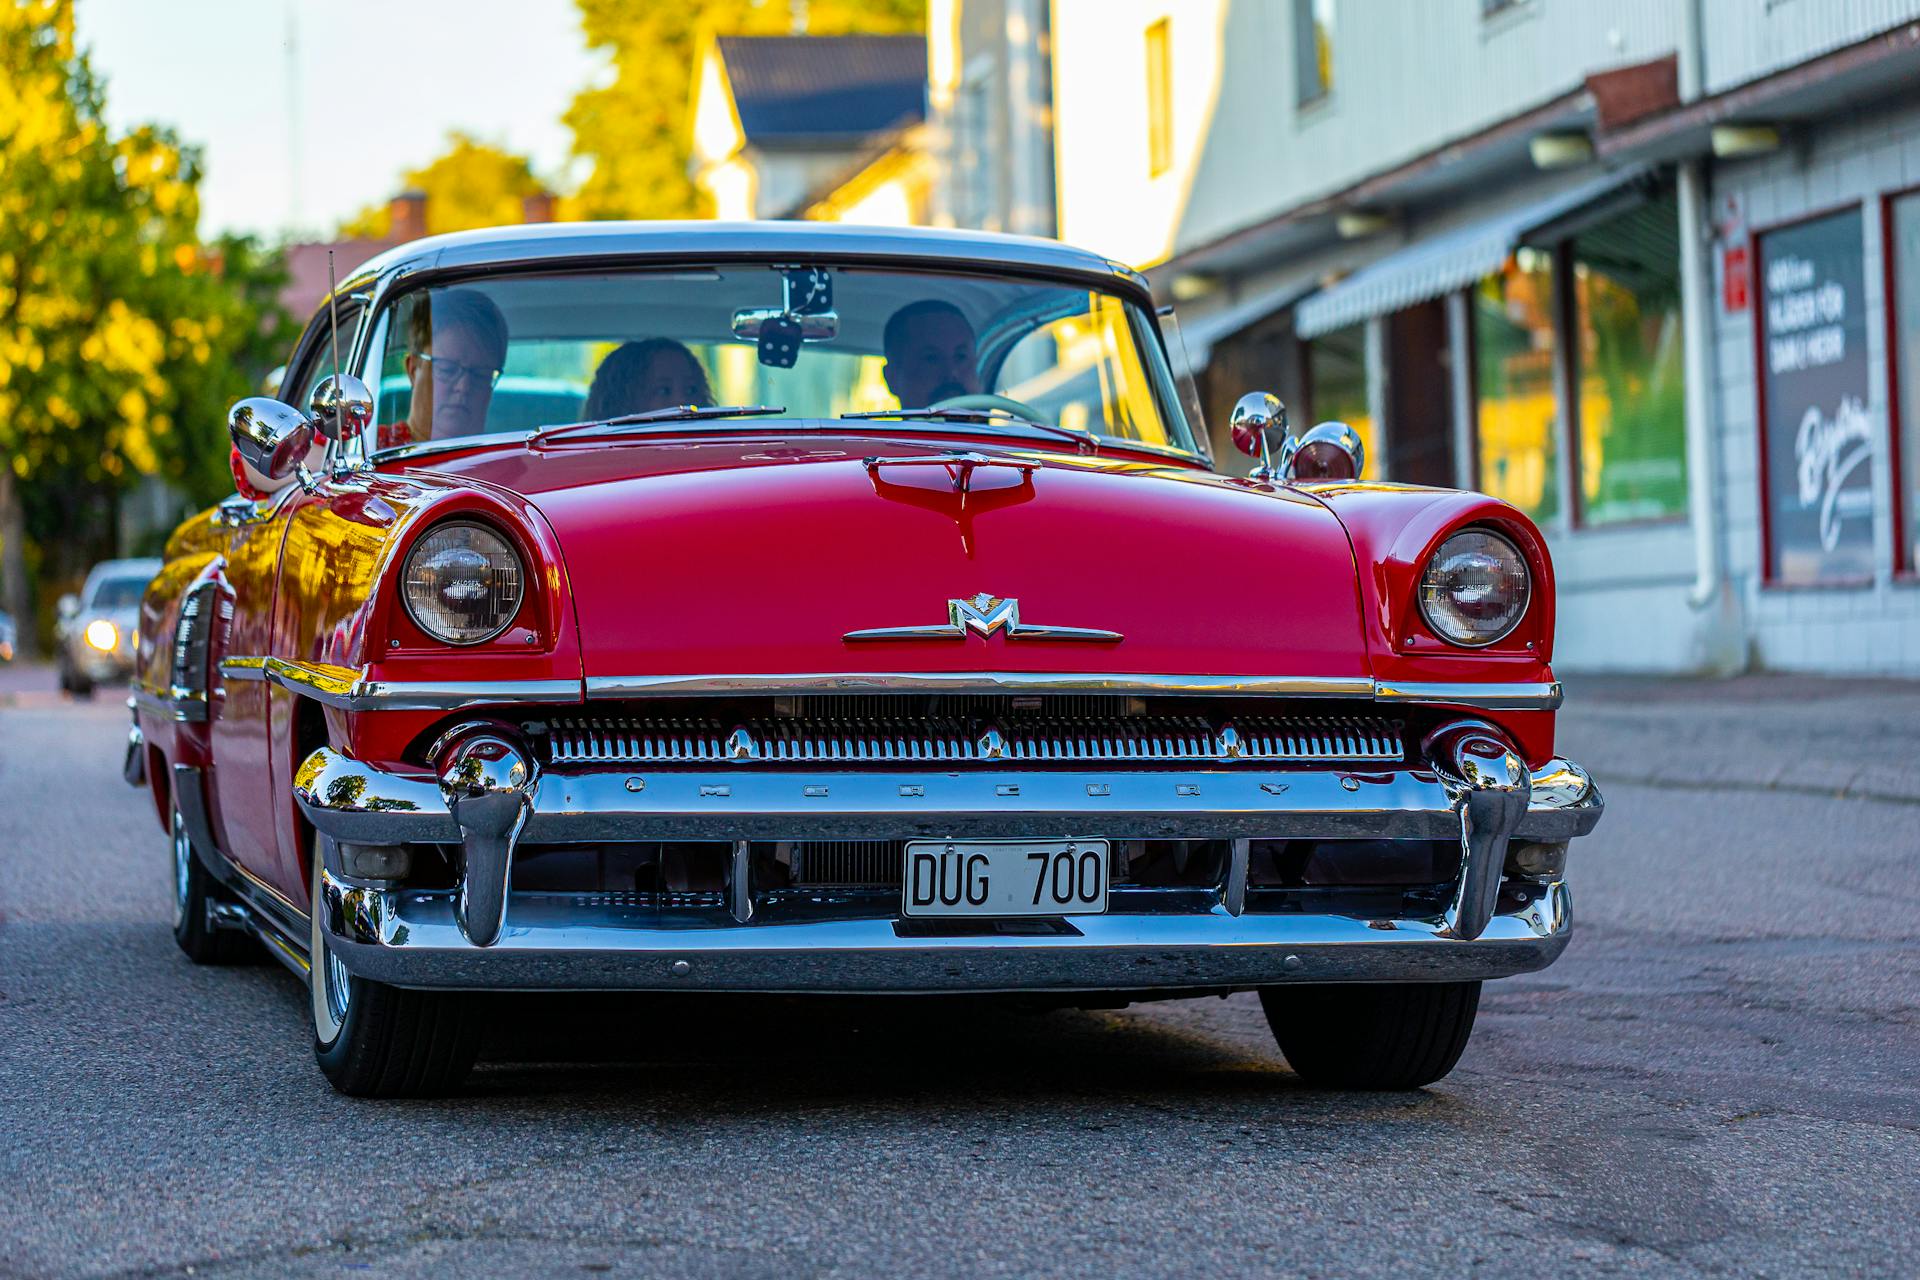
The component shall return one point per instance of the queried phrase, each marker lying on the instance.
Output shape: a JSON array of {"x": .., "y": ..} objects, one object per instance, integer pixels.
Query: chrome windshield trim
[
  {"x": 975, "y": 682},
  {"x": 351, "y": 690},
  {"x": 1543, "y": 696}
]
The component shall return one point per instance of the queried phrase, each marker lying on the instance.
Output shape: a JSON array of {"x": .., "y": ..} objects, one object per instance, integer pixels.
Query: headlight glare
[
  {"x": 102, "y": 635},
  {"x": 462, "y": 583},
  {"x": 1475, "y": 588}
]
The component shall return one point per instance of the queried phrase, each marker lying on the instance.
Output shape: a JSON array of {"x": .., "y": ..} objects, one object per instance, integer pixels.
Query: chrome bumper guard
[{"x": 490, "y": 795}]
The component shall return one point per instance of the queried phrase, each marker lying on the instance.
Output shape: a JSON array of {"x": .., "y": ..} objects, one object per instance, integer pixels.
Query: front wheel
[
  {"x": 1389, "y": 1035},
  {"x": 377, "y": 1041}
]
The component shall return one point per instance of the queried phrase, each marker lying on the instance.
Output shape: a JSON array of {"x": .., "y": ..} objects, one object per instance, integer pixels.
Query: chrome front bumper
[{"x": 490, "y": 795}]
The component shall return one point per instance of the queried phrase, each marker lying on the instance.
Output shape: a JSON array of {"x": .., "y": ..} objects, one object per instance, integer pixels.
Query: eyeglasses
[{"x": 447, "y": 371}]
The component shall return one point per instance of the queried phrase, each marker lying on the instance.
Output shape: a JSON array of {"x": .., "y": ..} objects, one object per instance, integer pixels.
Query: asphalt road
[{"x": 1722, "y": 1075}]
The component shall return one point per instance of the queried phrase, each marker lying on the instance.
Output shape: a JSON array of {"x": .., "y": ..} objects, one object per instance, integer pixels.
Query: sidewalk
[{"x": 1759, "y": 732}]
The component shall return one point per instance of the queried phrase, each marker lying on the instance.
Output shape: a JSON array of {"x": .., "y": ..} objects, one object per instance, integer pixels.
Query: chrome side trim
[
  {"x": 975, "y": 682},
  {"x": 555, "y": 942},
  {"x": 182, "y": 706},
  {"x": 1544, "y": 696},
  {"x": 350, "y": 690}
]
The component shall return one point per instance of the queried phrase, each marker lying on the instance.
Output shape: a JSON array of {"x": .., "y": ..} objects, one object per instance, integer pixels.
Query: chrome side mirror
[
  {"x": 273, "y": 438},
  {"x": 1259, "y": 427},
  {"x": 68, "y": 607},
  {"x": 1325, "y": 451},
  {"x": 340, "y": 407}
]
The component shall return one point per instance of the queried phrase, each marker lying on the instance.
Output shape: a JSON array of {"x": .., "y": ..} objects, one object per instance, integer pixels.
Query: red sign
[{"x": 1734, "y": 278}]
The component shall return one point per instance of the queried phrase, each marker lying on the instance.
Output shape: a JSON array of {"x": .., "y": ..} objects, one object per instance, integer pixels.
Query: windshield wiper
[
  {"x": 672, "y": 413},
  {"x": 1085, "y": 439}
]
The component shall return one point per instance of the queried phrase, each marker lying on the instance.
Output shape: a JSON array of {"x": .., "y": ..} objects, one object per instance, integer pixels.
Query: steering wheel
[{"x": 1006, "y": 404}]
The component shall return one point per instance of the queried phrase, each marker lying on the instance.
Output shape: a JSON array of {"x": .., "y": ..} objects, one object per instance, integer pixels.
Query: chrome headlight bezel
[
  {"x": 1426, "y": 590},
  {"x": 431, "y": 542}
]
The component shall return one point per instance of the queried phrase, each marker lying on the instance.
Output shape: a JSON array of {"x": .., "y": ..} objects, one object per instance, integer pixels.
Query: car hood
[{"x": 759, "y": 556}]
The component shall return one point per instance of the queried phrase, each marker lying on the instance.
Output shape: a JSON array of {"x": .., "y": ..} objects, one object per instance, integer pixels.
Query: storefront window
[
  {"x": 1513, "y": 370},
  {"x": 1631, "y": 370},
  {"x": 1337, "y": 375},
  {"x": 1905, "y": 247}
]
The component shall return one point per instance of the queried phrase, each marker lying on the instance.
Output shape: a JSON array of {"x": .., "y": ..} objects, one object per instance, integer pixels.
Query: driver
[
  {"x": 930, "y": 356},
  {"x": 457, "y": 343}
]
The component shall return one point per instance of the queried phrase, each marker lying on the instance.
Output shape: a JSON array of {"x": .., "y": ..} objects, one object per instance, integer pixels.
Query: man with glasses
[{"x": 457, "y": 343}]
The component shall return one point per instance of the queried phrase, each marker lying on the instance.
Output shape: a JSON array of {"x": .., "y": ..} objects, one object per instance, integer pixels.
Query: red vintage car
[{"x": 804, "y": 608}]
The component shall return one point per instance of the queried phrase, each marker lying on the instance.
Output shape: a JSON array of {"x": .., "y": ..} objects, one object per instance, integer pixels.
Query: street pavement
[{"x": 1721, "y": 1076}]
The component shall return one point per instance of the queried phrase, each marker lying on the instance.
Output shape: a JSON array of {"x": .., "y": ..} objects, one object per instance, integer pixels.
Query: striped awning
[{"x": 1452, "y": 260}]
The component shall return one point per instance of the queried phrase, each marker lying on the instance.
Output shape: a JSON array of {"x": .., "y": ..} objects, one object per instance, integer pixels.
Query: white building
[{"x": 1524, "y": 245}]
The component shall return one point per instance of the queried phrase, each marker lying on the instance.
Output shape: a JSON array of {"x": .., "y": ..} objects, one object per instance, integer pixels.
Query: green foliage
[
  {"x": 122, "y": 337},
  {"x": 635, "y": 130},
  {"x": 472, "y": 184}
]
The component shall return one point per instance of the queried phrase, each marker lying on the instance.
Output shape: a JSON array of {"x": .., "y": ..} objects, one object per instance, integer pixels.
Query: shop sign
[
  {"x": 1733, "y": 278},
  {"x": 1816, "y": 431}
]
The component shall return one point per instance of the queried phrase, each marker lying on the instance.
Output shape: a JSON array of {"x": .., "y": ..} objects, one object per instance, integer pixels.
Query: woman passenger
[{"x": 638, "y": 377}]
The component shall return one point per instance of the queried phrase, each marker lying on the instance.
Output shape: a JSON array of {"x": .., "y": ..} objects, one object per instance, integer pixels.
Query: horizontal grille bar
[{"x": 1266, "y": 740}]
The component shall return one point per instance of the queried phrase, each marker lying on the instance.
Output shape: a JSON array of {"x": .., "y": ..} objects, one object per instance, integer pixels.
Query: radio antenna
[{"x": 333, "y": 317}]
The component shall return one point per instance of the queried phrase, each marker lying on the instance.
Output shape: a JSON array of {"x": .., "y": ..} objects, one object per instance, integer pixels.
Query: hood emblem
[{"x": 983, "y": 615}]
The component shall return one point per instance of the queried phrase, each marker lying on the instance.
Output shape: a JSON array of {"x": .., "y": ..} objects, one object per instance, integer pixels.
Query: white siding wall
[
  {"x": 1408, "y": 76},
  {"x": 1747, "y": 39},
  {"x": 1868, "y": 629}
]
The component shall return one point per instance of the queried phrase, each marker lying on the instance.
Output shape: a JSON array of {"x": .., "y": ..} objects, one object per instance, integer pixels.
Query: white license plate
[{"x": 1004, "y": 878}]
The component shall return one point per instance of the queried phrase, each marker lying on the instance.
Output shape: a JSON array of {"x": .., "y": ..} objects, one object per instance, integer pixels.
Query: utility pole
[{"x": 295, "y": 161}]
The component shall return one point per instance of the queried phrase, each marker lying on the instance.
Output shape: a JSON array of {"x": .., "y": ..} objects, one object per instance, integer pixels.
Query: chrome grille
[
  {"x": 1264, "y": 739},
  {"x": 819, "y": 864}
]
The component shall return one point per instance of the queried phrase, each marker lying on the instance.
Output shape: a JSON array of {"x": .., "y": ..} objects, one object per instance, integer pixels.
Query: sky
[{"x": 294, "y": 142}]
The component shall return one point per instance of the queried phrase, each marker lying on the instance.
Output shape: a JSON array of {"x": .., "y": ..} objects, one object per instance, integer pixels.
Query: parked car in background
[
  {"x": 9, "y": 638},
  {"x": 884, "y": 629},
  {"x": 93, "y": 640}
]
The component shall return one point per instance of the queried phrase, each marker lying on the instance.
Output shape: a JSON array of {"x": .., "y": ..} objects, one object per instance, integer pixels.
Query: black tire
[
  {"x": 1399, "y": 1035},
  {"x": 193, "y": 889},
  {"x": 376, "y": 1041}
]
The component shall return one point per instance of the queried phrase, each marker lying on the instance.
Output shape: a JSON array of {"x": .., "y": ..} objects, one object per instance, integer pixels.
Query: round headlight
[
  {"x": 1475, "y": 589},
  {"x": 102, "y": 635},
  {"x": 463, "y": 583}
]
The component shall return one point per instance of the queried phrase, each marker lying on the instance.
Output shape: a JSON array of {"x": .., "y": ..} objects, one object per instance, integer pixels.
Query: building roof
[
  {"x": 797, "y": 89},
  {"x": 307, "y": 286}
]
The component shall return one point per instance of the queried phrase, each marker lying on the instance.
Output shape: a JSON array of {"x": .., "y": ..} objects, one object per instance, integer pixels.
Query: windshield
[
  {"x": 119, "y": 593},
  {"x": 516, "y": 353}
]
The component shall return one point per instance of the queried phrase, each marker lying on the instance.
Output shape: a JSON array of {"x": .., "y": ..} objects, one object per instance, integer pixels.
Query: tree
[
  {"x": 635, "y": 130},
  {"x": 121, "y": 337},
  {"x": 473, "y": 184}
]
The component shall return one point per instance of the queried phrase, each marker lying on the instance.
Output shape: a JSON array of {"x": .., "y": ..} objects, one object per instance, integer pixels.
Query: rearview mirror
[
  {"x": 1259, "y": 427},
  {"x": 340, "y": 407},
  {"x": 272, "y": 437}
]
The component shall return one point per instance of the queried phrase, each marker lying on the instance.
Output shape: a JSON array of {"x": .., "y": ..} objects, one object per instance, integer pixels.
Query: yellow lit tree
[
  {"x": 635, "y": 130},
  {"x": 121, "y": 336},
  {"x": 472, "y": 184}
]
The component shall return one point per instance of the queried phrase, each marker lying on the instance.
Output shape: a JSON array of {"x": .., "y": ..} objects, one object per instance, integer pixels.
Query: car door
[{"x": 246, "y": 783}]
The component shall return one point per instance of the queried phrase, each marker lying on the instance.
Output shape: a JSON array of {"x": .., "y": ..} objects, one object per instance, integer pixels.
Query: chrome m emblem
[{"x": 983, "y": 615}]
